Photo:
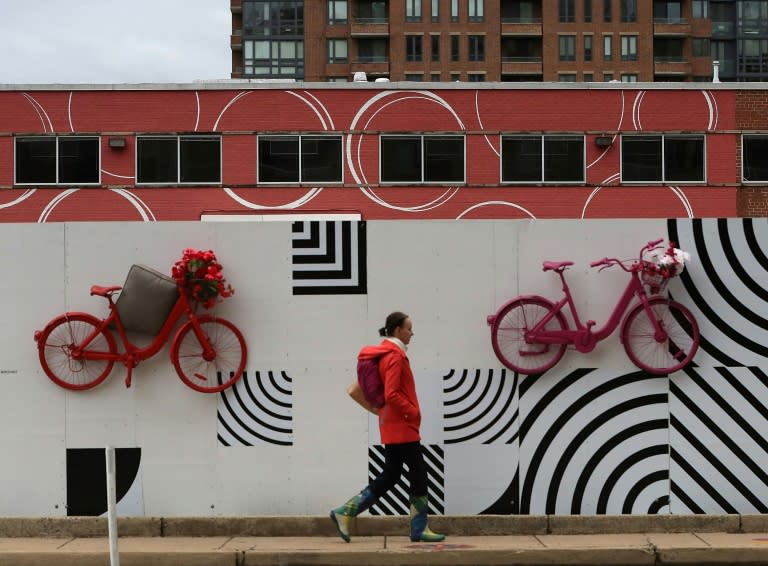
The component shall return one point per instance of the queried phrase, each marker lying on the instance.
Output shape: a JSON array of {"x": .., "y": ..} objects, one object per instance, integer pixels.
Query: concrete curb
[{"x": 366, "y": 525}]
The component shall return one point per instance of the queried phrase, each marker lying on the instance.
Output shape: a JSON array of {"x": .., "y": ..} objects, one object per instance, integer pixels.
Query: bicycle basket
[
  {"x": 146, "y": 299},
  {"x": 655, "y": 281}
]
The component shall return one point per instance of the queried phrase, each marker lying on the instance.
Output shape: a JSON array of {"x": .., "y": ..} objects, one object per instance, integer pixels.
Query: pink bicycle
[
  {"x": 530, "y": 333},
  {"x": 77, "y": 350}
]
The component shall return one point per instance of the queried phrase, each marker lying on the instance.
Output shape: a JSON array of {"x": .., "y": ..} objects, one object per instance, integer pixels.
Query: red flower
[{"x": 200, "y": 274}]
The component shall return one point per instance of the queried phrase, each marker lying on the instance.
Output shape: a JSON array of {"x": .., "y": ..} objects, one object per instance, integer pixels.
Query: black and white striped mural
[
  {"x": 608, "y": 441},
  {"x": 329, "y": 258},
  {"x": 258, "y": 410}
]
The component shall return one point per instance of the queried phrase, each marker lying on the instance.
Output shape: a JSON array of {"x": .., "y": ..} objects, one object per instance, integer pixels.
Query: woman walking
[{"x": 399, "y": 422}]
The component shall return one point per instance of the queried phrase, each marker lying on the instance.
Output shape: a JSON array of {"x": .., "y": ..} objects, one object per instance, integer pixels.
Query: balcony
[
  {"x": 671, "y": 26},
  {"x": 521, "y": 26},
  {"x": 723, "y": 29},
  {"x": 369, "y": 27},
  {"x": 671, "y": 65},
  {"x": 531, "y": 65}
]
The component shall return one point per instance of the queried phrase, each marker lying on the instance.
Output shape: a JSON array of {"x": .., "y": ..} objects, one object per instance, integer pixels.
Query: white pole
[{"x": 114, "y": 556}]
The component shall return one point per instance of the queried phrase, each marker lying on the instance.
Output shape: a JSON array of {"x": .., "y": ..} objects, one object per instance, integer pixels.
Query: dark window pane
[
  {"x": 400, "y": 159},
  {"x": 157, "y": 160},
  {"x": 200, "y": 160},
  {"x": 641, "y": 158},
  {"x": 443, "y": 159},
  {"x": 279, "y": 159},
  {"x": 36, "y": 160},
  {"x": 755, "y": 162},
  {"x": 521, "y": 159},
  {"x": 563, "y": 159},
  {"x": 320, "y": 159},
  {"x": 683, "y": 159},
  {"x": 78, "y": 160}
]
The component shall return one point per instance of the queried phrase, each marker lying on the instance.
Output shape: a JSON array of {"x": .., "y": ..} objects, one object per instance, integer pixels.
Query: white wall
[{"x": 447, "y": 275}]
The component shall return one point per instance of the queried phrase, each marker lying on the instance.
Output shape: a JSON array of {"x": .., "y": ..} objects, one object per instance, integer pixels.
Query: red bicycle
[
  {"x": 78, "y": 350},
  {"x": 530, "y": 333}
]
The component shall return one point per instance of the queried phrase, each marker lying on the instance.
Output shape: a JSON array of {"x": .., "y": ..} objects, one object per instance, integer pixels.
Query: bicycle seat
[
  {"x": 104, "y": 291},
  {"x": 556, "y": 265}
]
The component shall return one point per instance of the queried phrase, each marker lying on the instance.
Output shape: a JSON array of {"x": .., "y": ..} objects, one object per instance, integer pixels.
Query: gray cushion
[{"x": 146, "y": 300}]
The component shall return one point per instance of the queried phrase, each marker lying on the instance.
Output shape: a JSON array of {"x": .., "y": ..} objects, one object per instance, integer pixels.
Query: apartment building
[{"x": 492, "y": 40}]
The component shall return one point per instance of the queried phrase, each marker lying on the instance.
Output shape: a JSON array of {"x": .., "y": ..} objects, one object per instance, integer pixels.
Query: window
[
  {"x": 337, "y": 50},
  {"x": 629, "y": 78},
  {"x": 299, "y": 159},
  {"x": 567, "y": 10},
  {"x": 628, "y": 10},
  {"x": 435, "y": 10},
  {"x": 413, "y": 50},
  {"x": 607, "y": 11},
  {"x": 607, "y": 47},
  {"x": 700, "y": 47},
  {"x": 662, "y": 159},
  {"x": 273, "y": 58},
  {"x": 476, "y": 11},
  {"x": 372, "y": 50},
  {"x": 455, "y": 47},
  {"x": 51, "y": 160},
  {"x": 422, "y": 159},
  {"x": 435, "y": 41},
  {"x": 700, "y": 9},
  {"x": 476, "y": 47},
  {"x": 337, "y": 11},
  {"x": 454, "y": 10},
  {"x": 412, "y": 10},
  {"x": 629, "y": 48},
  {"x": 178, "y": 159},
  {"x": 607, "y": 77},
  {"x": 567, "y": 47},
  {"x": 587, "y": 47},
  {"x": 434, "y": 77},
  {"x": 588, "y": 77},
  {"x": 567, "y": 77},
  {"x": 587, "y": 11},
  {"x": 754, "y": 165},
  {"x": 542, "y": 159},
  {"x": 455, "y": 77},
  {"x": 476, "y": 77},
  {"x": 414, "y": 77}
]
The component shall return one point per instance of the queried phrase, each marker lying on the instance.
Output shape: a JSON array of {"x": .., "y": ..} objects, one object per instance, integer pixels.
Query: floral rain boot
[
  {"x": 342, "y": 516},
  {"x": 420, "y": 532}
]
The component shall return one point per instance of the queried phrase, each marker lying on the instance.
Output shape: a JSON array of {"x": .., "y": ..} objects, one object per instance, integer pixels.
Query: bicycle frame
[
  {"x": 583, "y": 337},
  {"x": 132, "y": 354}
]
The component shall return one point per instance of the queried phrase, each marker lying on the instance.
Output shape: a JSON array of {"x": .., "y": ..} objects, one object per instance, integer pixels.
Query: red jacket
[{"x": 400, "y": 417}]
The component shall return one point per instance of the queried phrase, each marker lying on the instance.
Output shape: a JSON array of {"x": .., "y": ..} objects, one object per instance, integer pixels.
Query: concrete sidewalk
[{"x": 476, "y": 541}]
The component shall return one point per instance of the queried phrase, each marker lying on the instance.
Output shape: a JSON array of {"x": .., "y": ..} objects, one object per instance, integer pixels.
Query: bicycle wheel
[
  {"x": 661, "y": 354},
  {"x": 217, "y": 371},
  {"x": 57, "y": 342},
  {"x": 510, "y": 328}
]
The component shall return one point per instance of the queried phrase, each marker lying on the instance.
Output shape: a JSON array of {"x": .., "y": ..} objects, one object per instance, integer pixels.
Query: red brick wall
[{"x": 361, "y": 113}]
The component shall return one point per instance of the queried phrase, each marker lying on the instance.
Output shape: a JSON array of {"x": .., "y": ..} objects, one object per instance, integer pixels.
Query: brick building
[
  {"x": 383, "y": 151},
  {"x": 487, "y": 40}
]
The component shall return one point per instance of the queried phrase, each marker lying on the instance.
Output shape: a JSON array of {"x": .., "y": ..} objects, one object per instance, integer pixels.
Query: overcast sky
[{"x": 114, "y": 41}]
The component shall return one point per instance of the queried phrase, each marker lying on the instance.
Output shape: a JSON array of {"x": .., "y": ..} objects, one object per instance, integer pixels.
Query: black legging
[{"x": 395, "y": 455}]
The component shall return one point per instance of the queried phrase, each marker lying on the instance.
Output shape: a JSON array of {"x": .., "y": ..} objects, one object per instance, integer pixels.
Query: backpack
[{"x": 370, "y": 382}]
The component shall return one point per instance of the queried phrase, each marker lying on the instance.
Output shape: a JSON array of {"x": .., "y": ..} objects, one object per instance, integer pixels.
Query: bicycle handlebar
[{"x": 609, "y": 261}]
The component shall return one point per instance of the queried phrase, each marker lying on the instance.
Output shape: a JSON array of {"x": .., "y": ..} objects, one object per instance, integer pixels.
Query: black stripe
[
  {"x": 504, "y": 429},
  {"x": 472, "y": 406},
  {"x": 621, "y": 469},
  {"x": 508, "y": 502},
  {"x": 754, "y": 245},
  {"x": 653, "y": 508},
  {"x": 602, "y": 451},
  {"x": 313, "y": 240},
  {"x": 714, "y": 429},
  {"x": 637, "y": 489},
  {"x": 730, "y": 255},
  {"x": 702, "y": 482},
  {"x": 685, "y": 499},
  {"x": 447, "y": 378},
  {"x": 225, "y": 424},
  {"x": 716, "y": 463},
  {"x": 270, "y": 397},
  {"x": 561, "y": 421},
  {"x": 468, "y": 392},
  {"x": 277, "y": 386},
  {"x": 255, "y": 398},
  {"x": 721, "y": 288},
  {"x": 500, "y": 411},
  {"x": 583, "y": 436}
]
